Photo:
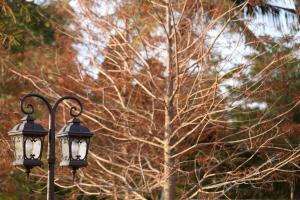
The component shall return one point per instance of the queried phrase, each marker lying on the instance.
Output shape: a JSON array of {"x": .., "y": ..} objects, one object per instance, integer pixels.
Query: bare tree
[{"x": 165, "y": 103}]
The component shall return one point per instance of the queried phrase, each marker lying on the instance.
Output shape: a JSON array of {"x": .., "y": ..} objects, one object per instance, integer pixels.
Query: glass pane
[
  {"x": 75, "y": 148},
  {"x": 82, "y": 149},
  {"x": 37, "y": 146},
  {"x": 18, "y": 147},
  {"x": 65, "y": 148},
  {"x": 33, "y": 147},
  {"x": 79, "y": 147}
]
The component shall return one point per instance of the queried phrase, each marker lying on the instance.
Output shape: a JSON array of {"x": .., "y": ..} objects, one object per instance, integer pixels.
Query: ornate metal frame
[{"x": 51, "y": 134}]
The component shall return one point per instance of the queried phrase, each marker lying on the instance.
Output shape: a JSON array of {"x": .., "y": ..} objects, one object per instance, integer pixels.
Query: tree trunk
[
  {"x": 296, "y": 188},
  {"x": 292, "y": 189},
  {"x": 169, "y": 185},
  {"x": 169, "y": 169}
]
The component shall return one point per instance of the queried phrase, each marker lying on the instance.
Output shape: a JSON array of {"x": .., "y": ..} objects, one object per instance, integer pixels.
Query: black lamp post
[{"x": 28, "y": 138}]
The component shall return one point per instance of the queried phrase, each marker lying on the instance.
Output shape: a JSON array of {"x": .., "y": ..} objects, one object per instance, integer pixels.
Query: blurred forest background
[{"x": 188, "y": 99}]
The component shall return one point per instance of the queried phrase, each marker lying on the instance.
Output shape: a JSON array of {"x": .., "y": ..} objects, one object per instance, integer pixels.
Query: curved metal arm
[
  {"x": 30, "y": 106},
  {"x": 51, "y": 109},
  {"x": 51, "y": 133},
  {"x": 73, "y": 109}
]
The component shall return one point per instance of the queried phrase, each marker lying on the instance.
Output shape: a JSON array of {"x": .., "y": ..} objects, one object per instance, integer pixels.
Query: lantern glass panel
[
  {"x": 65, "y": 148},
  {"x": 18, "y": 140},
  {"x": 79, "y": 149},
  {"x": 33, "y": 146}
]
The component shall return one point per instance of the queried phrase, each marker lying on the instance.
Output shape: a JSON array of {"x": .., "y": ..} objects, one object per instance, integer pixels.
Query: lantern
[
  {"x": 28, "y": 138},
  {"x": 74, "y": 139}
]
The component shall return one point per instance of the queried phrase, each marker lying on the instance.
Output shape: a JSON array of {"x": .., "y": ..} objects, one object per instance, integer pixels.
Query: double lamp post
[{"x": 28, "y": 138}]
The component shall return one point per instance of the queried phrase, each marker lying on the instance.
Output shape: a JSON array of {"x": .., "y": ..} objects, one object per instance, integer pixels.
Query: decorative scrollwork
[
  {"x": 73, "y": 110},
  {"x": 28, "y": 109}
]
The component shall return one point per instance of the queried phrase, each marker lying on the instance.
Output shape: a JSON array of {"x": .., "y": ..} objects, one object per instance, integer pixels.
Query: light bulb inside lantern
[
  {"x": 33, "y": 147},
  {"x": 28, "y": 147},
  {"x": 36, "y": 150},
  {"x": 75, "y": 148},
  {"x": 82, "y": 149}
]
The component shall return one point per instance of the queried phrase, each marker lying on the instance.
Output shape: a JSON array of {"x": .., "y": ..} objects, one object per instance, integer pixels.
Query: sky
[
  {"x": 227, "y": 43},
  {"x": 233, "y": 49},
  {"x": 230, "y": 46},
  {"x": 265, "y": 24}
]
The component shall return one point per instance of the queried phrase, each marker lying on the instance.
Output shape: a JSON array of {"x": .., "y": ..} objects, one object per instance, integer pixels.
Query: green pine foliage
[
  {"x": 25, "y": 25},
  {"x": 279, "y": 89}
]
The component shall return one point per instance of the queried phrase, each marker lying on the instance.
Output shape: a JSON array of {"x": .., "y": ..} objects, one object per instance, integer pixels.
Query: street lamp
[
  {"x": 74, "y": 139},
  {"x": 28, "y": 137}
]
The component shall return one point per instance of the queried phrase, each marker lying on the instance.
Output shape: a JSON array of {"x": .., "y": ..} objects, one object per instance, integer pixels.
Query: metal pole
[
  {"x": 51, "y": 155},
  {"x": 51, "y": 134}
]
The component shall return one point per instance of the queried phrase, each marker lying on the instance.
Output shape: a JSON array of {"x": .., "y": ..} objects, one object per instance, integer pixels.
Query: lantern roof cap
[
  {"x": 27, "y": 126},
  {"x": 74, "y": 128}
]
